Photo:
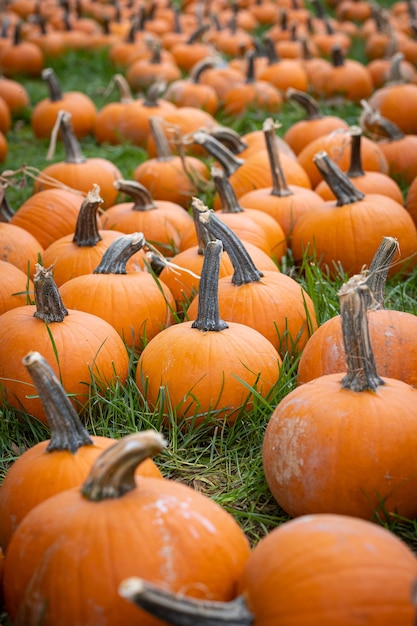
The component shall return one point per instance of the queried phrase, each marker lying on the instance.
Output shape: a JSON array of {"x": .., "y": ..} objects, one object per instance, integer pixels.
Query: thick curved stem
[
  {"x": 119, "y": 252},
  {"x": 229, "y": 162},
  {"x": 378, "y": 273},
  {"x": 361, "y": 374},
  {"x": 48, "y": 301},
  {"x": 113, "y": 472},
  {"x": 86, "y": 229},
  {"x": 67, "y": 432},
  {"x": 338, "y": 181},
  {"x": 142, "y": 199},
  {"x": 55, "y": 91},
  {"x": 182, "y": 611}
]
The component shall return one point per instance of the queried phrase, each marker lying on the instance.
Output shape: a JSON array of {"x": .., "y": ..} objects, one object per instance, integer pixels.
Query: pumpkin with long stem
[
  {"x": 344, "y": 233},
  {"x": 122, "y": 526},
  {"x": 344, "y": 443},
  {"x": 315, "y": 123},
  {"x": 80, "y": 252},
  {"x": 77, "y": 171},
  {"x": 399, "y": 148},
  {"x": 145, "y": 305},
  {"x": 55, "y": 464},
  {"x": 284, "y": 202},
  {"x": 162, "y": 222},
  {"x": 207, "y": 369},
  {"x": 272, "y": 303},
  {"x": 317, "y": 569},
  {"x": 81, "y": 348},
  {"x": 392, "y": 332},
  {"x": 367, "y": 181},
  {"x": 175, "y": 178},
  {"x": 82, "y": 109}
]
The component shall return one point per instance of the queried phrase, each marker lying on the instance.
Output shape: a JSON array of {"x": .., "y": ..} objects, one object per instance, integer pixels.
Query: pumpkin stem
[
  {"x": 155, "y": 90},
  {"x": 55, "y": 91},
  {"x": 161, "y": 142},
  {"x": 118, "y": 253},
  {"x": 337, "y": 57},
  {"x": 229, "y": 162},
  {"x": 125, "y": 93},
  {"x": 67, "y": 432},
  {"x": 203, "y": 236},
  {"x": 184, "y": 611},
  {"x": 208, "y": 317},
  {"x": 198, "y": 33},
  {"x": 113, "y": 472},
  {"x": 244, "y": 268},
  {"x": 229, "y": 138},
  {"x": 6, "y": 211},
  {"x": 355, "y": 167},
  {"x": 361, "y": 368},
  {"x": 378, "y": 127},
  {"x": 227, "y": 194},
  {"x": 199, "y": 68},
  {"x": 48, "y": 301},
  {"x": 338, "y": 181},
  {"x": 279, "y": 182},
  {"x": 395, "y": 75},
  {"x": 72, "y": 147},
  {"x": 250, "y": 67},
  {"x": 142, "y": 199},
  {"x": 310, "y": 106},
  {"x": 378, "y": 272},
  {"x": 86, "y": 232}
]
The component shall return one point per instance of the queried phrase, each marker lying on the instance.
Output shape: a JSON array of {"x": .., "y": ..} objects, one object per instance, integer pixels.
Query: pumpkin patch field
[{"x": 208, "y": 312}]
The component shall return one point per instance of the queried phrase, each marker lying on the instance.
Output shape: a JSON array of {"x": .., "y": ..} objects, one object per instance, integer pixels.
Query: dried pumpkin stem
[
  {"x": 378, "y": 273},
  {"x": 142, "y": 199},
  {"x": 377, "y": 126},
  {"x": 310, "y": 106},
  {"x": 361, "y": 368},
  {"x": 119, "y": 252},
  {"x": 355, "y": 166},
  {"x": 72, "y": 147},
  {"x": 338, "y": 181},
  {"x": 229, "y": 138},
  {"x": 87, "y": 232},
  {"x": 229, "y": 161},
  {"x": 163, "y": 150},
  {"x": 48, "y": 301},
  {"x": 51, "y": 79},
  {"x": 67, "y": 432},
  {"x": 243, "y": 266},
  {"x": 279, "y": 182},
  {"x": 227, "y": 194},
  {"x": 208, "y": 317},
  {"x": 113, "y": 472},
  {"x": 183, "y": 611}
]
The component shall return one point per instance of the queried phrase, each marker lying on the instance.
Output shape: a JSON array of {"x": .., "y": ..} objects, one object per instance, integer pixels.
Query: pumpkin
[
  {"x": 80, "y": 106},
  {"x": 19, "y": 247},
  {"x": 201, "y": 370},
  {"x": 392, "y": 332},
  {"x": 284, "y": 202},
  {"x": 14, "y": 94},
  {"x": 319, "y": 428},
  {"x": 77, "y": 171},
  {"x": 93, "y": 350},
  {"x": 342, "y": 234},
  {"x": 150, "y": 524},
  {"x": 15, "y": 287},
  {"x": 162, "y": 222},
  {"x": 145, "y": 304},
  {"x": 49, "y": 214},
  {"x": 327, "y": 569},
  {"x": 143, "y": 72},
  {"x": 80, "y": 252},
  {"x": 271, "y": 302},
  {"x": 56, "y": 464},
  {"x": 191, "y": 92},
  {"x": 366, "y": 181},
  {"x": 20, "y": 57},
  {"x": 281, "y": 71},
  {"x": 167, "y": 176},
  {"x": 315, "y": 123}
]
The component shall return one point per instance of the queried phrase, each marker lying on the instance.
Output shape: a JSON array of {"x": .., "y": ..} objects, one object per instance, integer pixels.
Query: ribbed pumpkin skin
[
  {"x": 13, "y": 286},
  {"x": 330, "y": 570},
  {"x": 200, "y": 369},
  {"x": 39, "y": 475},
  {"x": 82, "y": 177},
  {"x": 81, "y": 107},
  {"x": 332, "y": 450},
  {"x": 394, "y": 341},
  {"x": 276, "y": 306},
  {"x": 19, "y": 247},
  {"x": 49, "y": 214},
  {"x": 138, "y": 307},
  {"x": 350, "y": 233},
  {"x": 162, "y": 531},
  {"x": 81, "y": 340}
]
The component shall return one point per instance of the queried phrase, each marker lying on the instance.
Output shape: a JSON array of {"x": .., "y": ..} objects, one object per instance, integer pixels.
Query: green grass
[{"x": 224, "y": 462}]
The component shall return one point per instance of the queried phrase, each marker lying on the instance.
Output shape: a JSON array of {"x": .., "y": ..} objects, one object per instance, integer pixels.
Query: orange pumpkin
[
  {"x": 149, "y": 523},
  {"x": 16, "y": 288}
]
